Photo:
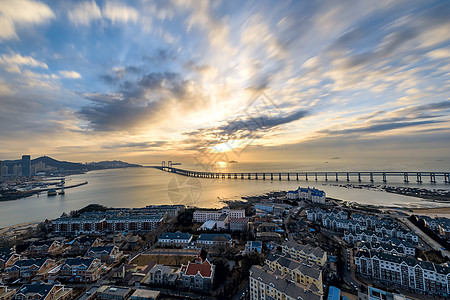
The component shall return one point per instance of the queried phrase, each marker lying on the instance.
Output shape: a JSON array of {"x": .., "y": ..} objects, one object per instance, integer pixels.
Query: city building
[
  {"x": 253, "y": 246},
  {"x": 405, "y": 272},
  {"x": 139, "y": 223},
  {"x": 240, "y": 224},
  {"x": 113, "y": 292},
  {"x": 223, "y": 221},
  {"x": 305, "y": 273},
  {"x": 29, "y": 268},
  {"x": 79, "y": 225},
  {"x": 175, "y": 239},
  {"x": 301, "y": 252},
  {"x": 378, "y": 294},
  {"x": 43, "y": 291},
  {"x": 207, "y": 215},
  {"x": 198, "y": 275},
  {"x": 26, "y": 165},
  {"x": 43, "y": 248},
  {"x": 82, "y": 244},
  {"x": 214, "y": 240},
  {"x": 264, "y": 284},
  {"x": 81, "y": 269},
  {"x": 105, "y": 253},
  {"x": 6, "y": 293},
  {"x": 140, "y": 294},
  {"x": 7, "y": 257},
  {"x": 161, "y": 275}
]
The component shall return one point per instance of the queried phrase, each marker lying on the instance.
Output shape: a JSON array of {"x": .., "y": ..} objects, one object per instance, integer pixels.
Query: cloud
[
  {"x": 70, "y": 74},
  {"x": 21, "y": 12},
  {"x": 83, "y": 13},
  {"x": 249, "y": 127},
  {"x": 141, "y": 103},
  {"x": 140, "y": 145},
  {"x": 15, "y": 60},
  {"x": 378, "y": 127},
  {"x": 118, "y": 12}
]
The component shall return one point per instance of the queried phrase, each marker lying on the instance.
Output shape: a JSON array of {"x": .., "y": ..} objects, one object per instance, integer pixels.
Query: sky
[{"x": 144, "y": 81}]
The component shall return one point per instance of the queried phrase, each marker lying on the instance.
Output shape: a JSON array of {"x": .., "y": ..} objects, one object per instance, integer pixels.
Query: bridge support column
[
  {"x": 229, "y": 175},
  {"x": 432, "y": 177},
  {"x": 315, "y": 175},
  {"x": 297, "y": 176},
  {"x": 306, "y": 176},
  {"x": 235, "y": 175},
  {"x": 348, "y": 177},
  {"x": 371, "y": 177},
  {"x": 242, "y": 175},
  {"x": 405, "y": 177},
  {"x": 279, "y": 176},
  {"x": 446, "y": 178},
  {"x": 264, "y": 176},
  {"x": 337, "y": 177},
  {"x": 384, "y": 178},
  {"x": 271, "y": 176},
  {"x": 249, "y": 176},
  {"x": 288, "y": 177},
  {"x": 419, "y": 177},
  {"x": 256, "y": 176},
  {"x": 326, "y": 176},
  {"x": 359, "y": 177}
]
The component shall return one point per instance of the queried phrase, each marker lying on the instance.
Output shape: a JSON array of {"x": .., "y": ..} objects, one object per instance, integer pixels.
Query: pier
[{"x": 345, "y": 176}]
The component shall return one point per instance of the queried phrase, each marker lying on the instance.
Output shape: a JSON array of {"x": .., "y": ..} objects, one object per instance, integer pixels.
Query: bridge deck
[{"x": 419, "y": 176}]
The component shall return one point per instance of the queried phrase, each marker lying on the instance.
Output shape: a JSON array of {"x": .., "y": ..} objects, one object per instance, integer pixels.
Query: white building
[{"x": 405, "y": 272}]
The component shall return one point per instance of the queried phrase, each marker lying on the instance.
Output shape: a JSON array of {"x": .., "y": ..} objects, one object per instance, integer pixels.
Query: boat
[{"x": 51, "y": 192}]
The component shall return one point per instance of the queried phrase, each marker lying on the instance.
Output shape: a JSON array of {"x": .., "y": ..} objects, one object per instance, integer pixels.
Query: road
[
  {"x": 238, "y": 295},
  {"x": 428, "y": 240}
]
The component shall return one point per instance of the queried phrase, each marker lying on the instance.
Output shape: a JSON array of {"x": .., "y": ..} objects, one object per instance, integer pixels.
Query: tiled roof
[
  {"x": 287, "y": 287},
  {"x": 30, "y": 262},
  {"x": 79, "y": 261},
  {"x": 193, "y": 269},
  {"x": 176, "y": 235},
  {"x": 214, "y": 237}
]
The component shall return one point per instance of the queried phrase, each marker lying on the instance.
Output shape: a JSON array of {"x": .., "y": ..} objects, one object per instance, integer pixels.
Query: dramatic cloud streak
[{"x": 167, "y": 78}]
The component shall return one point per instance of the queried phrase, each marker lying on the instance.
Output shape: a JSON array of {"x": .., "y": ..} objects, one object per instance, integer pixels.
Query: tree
[{"x": 222, "y": 268}]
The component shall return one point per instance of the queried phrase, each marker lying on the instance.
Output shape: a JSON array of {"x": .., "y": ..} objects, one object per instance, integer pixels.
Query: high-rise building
[
  {"x": 26, "y": 165},
  {"x": 1, "y": 169}
]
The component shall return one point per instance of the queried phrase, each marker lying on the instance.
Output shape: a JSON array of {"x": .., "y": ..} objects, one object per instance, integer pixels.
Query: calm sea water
[{"x": 138, "y": 187}]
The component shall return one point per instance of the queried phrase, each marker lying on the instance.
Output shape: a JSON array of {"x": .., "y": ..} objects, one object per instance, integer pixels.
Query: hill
[{"x": 72, "y": 166}]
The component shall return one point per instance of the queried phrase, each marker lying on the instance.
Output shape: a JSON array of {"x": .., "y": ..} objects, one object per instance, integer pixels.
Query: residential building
[
  {"x": 43, "y": 248},
  {"x": 240, "y": 224},
  {"x": 6, "y": 293},
  {"x": 105, "y": 253},
  {"x": 43, "y": 291},
  {"x": 214, "y": 239},
  {"x": 82, "y": 244},
  {"x": 253, "y": 246},
  {"x": 7, "y": 257},
  {"x": 264, "y": 284},
  {"x": 94, "y": 225},
  {"x": 175, "y": 239},
  {"x": 198, "y": 275},
  {"x": 378, "y": 294},
  {"x": 307, "y": 274},
  {"x": 81, "y": 269},
  {"x": 405, "y": 272},
  {"x": 300, "y": 252},
  {"x": 389, "y": 248},
  {"x": 207, "y": 215},
  {"x": 161, "y": 275},
  {"x": 113, "y": 292},
  {"x": 29, "y": 268},
  {"x": 140, "y": 294},
  {"x": 311, "y": 194},
  {"x": 223, "y": 221},
  {"x": 134, "y": 223},
  {"x": 26, "y": 165}
]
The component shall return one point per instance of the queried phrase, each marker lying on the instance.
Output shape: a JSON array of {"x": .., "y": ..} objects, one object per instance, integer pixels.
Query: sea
[{"x": 139, "y": 187}]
